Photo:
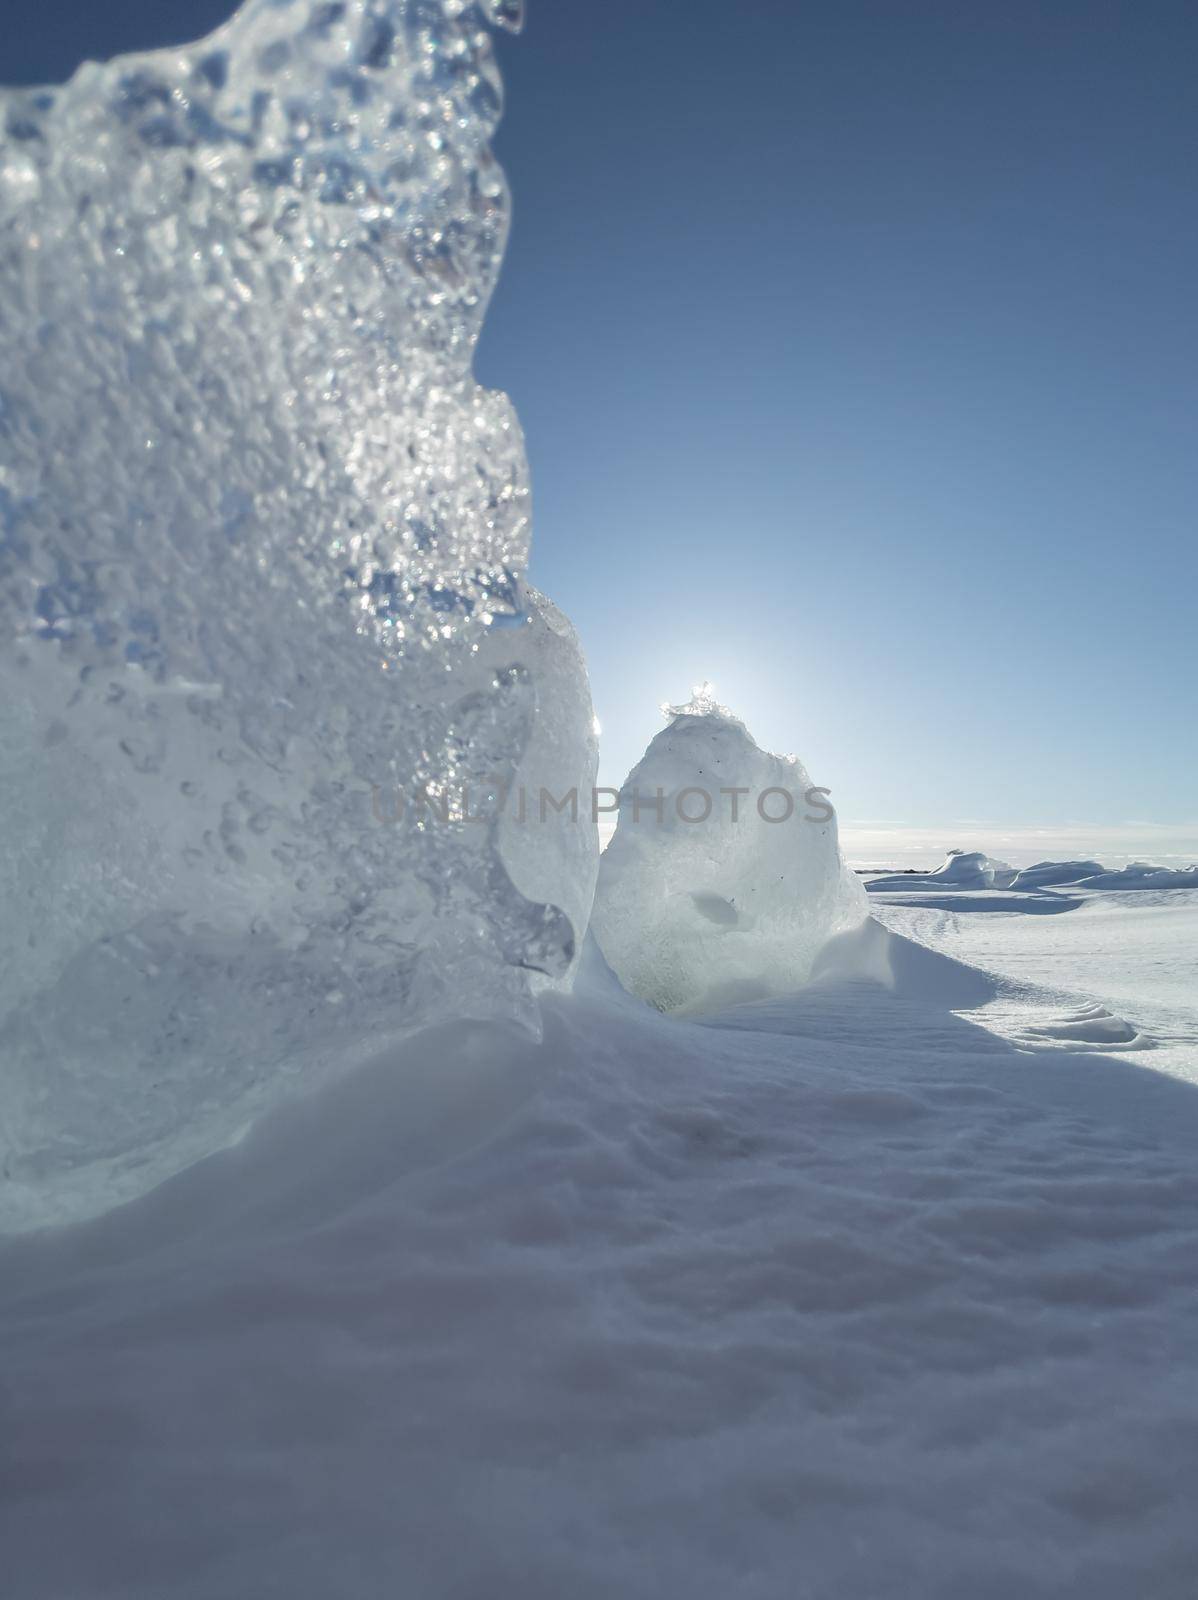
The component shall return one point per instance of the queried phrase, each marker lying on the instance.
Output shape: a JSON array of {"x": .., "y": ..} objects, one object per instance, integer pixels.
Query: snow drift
[
  {"x": 1143, "y": 875},
  {"x": 262, "y": 554},
  {"x": 724, "y": 877},
  {"x": 1047, "y": 874},
  {"x": 839, "y": 1295}
]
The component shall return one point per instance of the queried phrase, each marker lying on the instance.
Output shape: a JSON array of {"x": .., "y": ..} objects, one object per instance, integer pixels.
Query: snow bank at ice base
[
  {"x": 724, "y": 878},
  {"x": 262, "y": 553}
]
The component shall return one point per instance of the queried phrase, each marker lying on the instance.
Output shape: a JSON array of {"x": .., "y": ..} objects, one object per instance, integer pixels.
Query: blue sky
[{"x": 856, "y": 348}]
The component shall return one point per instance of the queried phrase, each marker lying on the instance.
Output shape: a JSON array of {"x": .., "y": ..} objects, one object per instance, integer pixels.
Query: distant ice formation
[
  {"x": 974, "y": 870},
  {"x": 960, "y": 869},
  {"x": 262, "y": 553},
  {"x": 1143, "y": 875},
  {"x": 723, "y": 880}
]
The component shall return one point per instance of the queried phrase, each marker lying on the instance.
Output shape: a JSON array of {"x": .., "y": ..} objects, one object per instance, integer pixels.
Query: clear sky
[{"x": 856, "y": 346}]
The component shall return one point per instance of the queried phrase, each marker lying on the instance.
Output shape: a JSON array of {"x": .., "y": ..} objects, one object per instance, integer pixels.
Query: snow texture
[
  {"x": 262, "y": 555},
  {"x": 840, "y": 1294},
  {"x": 723, "y": 879}
]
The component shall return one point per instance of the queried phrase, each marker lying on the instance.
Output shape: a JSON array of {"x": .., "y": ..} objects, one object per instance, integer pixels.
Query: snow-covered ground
[
  {"x": 1083, "y": 968},
  {"x": 866, "y": 1291}
]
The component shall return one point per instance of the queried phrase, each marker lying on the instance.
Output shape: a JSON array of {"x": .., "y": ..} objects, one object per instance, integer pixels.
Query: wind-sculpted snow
[
  {"x": 724, "y": 878},
  {"x": 1143, "y": 875},
  {"x": 1053, "y": 874},
  {"x": 262, "y": 550}
]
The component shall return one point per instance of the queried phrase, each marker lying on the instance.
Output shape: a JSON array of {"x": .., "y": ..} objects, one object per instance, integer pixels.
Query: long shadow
[
  {"x": 912, "y": 996},
  {"x": 1034, "y": 902}
]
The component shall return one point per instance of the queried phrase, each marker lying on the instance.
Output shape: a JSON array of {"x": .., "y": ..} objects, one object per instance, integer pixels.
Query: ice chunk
[
  {"x": 723, "y": 880},
  {"x": 262, "y": 551},
  {"x": 960, "y": 869}
]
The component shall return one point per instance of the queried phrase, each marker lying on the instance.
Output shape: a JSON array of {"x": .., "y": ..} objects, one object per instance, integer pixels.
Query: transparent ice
[
  {"x": 701, "y": 901},
  {"x": 262, "y": 554}
]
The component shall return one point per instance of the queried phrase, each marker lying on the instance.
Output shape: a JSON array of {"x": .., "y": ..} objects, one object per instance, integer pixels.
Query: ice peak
[{"x": 702, "y": 703}]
